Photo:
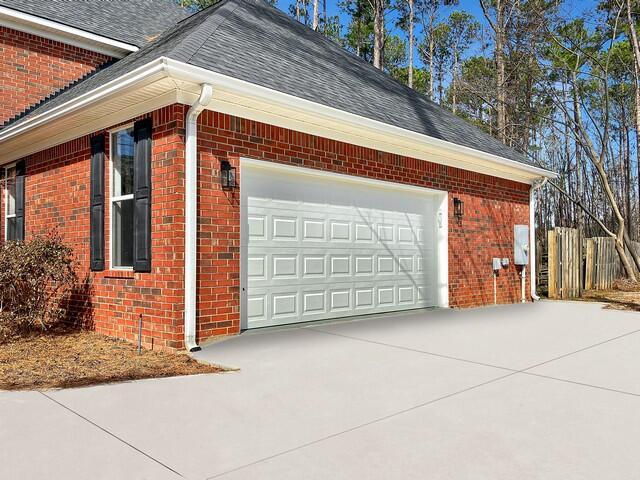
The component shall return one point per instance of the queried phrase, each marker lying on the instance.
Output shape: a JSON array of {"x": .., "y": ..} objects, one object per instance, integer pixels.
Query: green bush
[{"x": 37, "y": 278}]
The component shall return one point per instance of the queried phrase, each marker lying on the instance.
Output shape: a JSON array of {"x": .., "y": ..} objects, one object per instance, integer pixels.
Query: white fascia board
[
  {"x": 186, "y": 72},
  {"x": 60, "y": 32},
  {"x": 369, "y": 133}
]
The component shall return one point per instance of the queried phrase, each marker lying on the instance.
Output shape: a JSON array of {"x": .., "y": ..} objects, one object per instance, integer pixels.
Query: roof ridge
[
  {"x": 184, "y": 47},
  {"x": 220, "y": 3}
]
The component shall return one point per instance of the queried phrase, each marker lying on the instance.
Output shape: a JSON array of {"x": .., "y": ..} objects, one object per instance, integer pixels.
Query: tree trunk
[
  {"x": 324, "y": 16},
  {"x": 315, "y": 15},
  {"x": 298, "y": 10},
  {"x": 432, "y": 48},
  {"x": 579, "y": 189},
  {"x": 410, "y": 73},
  {"x": 454, "y": 81},
  {"x": 500, "y": 72},
  {"x": 633, "y": 39},
  {"x": 378, "y": 34}
]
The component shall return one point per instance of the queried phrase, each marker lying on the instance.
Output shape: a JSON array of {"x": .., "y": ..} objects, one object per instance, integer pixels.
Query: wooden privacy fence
[
  {"x": 564, "y": 249},
  {"x": 602, "y": 263},
  {"x": 575, "y": 263}
]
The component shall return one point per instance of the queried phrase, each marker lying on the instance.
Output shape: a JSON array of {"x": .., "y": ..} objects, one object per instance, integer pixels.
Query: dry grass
[
  {"x": 625, "y": 295},
  {"x": 85, "y": 358}
]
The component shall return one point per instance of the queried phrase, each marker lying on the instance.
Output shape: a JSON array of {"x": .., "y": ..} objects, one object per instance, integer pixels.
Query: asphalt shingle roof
[
  {"x": 253, "y": 41},
  {"x": 135, "y": 22}
]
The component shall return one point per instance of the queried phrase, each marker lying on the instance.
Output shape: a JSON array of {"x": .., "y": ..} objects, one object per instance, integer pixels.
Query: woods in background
[{"x": 557, "y": 80}]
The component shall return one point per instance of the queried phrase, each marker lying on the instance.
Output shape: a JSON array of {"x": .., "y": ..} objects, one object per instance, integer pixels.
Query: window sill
[{"x": 119, "y": 274}]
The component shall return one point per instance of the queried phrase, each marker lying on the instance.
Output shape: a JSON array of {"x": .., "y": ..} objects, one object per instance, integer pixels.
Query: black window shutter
[
  {"x": 20, "y": 177},
  {"x": 96, "y": 233},
  {"x": 142, "y": 196}
]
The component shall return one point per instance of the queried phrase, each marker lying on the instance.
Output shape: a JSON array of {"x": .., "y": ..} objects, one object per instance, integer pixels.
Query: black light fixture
[
  {"x": 227, "y": 175},
  {"x": 458, "y": 208}
]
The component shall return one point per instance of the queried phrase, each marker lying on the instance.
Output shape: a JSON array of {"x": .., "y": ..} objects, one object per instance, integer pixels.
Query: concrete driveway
[{"x": 538, "y": 391}]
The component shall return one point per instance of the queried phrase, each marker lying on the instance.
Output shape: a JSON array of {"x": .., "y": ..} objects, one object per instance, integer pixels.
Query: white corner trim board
[{"x": 60, "y": 32}]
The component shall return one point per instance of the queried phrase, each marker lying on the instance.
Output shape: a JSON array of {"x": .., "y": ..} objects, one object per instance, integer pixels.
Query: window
[
  {"x": 11, "y": 220},
  {"x": 122, "y": 201}
]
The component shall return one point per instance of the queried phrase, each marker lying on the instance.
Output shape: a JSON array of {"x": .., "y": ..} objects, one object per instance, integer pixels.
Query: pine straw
[
  {"x": 85, "y": 358},
  {"x": 625, "y": 295}
]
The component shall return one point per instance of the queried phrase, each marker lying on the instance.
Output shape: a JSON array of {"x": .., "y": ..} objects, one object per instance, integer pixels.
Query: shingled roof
[
  {"x": 255, "y": 42},
  {"x": 133, "y": 22}
]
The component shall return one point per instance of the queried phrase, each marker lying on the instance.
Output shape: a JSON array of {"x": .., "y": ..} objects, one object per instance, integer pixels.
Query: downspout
[
  {"x": 532, "y": 235},
  {"x": 191, "y": 216}
]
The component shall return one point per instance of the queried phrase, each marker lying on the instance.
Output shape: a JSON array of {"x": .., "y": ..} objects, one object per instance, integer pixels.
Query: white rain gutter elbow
[
  {"x": 532, "y": 236},
  {"x": 191, "y": 216}
]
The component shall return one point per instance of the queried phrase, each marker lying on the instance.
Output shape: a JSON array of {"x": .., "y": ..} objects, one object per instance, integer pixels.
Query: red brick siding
[
  {"x": 492, "y": 207},
  {"x": 57, "y": 195},
  {"x": 32, "y": 67}
]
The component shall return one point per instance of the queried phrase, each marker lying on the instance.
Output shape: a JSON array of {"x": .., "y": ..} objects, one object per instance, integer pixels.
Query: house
[{"x": 233, "y": 169}]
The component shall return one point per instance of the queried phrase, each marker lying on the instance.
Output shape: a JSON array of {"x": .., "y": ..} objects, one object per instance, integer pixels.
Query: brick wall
[
  {"x": 33, "y": 67},
  {"x": 492, "y": 207},
  {"x": 115, "y": 299},
  {"x": 57, "y": 197}
]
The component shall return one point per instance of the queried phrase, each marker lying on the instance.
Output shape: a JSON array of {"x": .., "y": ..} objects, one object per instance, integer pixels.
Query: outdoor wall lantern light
[
  {"x": 227, "y": 175},
  {"x": 458, "y": 208}
]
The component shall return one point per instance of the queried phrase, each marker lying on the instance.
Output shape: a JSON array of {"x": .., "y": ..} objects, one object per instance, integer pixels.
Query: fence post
[
  {"x": 552, "y": 258},
  {"x": 588, "y": 276}
]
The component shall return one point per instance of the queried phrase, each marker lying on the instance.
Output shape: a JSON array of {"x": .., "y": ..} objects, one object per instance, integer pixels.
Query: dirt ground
[
  {"x": 624, "y": 295},
  {"x": 85, "y": 358}
]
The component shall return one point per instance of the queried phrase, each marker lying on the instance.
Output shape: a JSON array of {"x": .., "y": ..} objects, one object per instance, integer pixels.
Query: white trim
[
  {"x": 319, "y": 119},
  {"x": 113, "y": 199},
  {"x": 302, "y": 170},
  {"x": 120, "y": 127},
  {"x": 60, "y": 32},
  {"x": 7, "y": 216},
  {"x": 187, "y": 72}
]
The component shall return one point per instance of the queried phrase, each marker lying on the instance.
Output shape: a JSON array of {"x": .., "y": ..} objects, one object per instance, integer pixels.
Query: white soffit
[{"x": 164, "y": 81}]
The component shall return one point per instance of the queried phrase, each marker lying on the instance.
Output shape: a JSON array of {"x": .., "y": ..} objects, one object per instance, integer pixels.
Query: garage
[{"x": 318, "y": 245}]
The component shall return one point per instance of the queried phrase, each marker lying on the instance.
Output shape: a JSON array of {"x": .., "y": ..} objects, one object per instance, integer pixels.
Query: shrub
[{"x": 36, "y": 278}]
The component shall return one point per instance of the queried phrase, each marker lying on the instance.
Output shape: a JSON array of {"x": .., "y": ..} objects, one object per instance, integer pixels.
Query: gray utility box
[
  {"x": 497, "y": 265},
  {"x": 521, "y": 244}
]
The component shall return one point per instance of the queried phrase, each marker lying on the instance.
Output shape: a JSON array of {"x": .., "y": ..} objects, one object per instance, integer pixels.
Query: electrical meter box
[
  {"x": 496, "y": 264},
  {"x": 521, "y": 244}
]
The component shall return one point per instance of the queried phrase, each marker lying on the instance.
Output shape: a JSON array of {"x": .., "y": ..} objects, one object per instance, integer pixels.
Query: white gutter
[
  {"x": 186, "y": 72},
  {"x": 60, "y": 32},
  {"x": 181, "y": 72},
  {"x": 191, "y": 216},
  {"x": 532, "y": 236}
]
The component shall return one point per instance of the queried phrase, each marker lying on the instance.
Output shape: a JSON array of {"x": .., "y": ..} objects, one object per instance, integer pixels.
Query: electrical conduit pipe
[{"x": 191, "y": 216}]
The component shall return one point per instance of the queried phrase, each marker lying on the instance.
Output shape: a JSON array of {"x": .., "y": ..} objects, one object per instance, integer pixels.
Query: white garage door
[{"x": 318, "y": 246}]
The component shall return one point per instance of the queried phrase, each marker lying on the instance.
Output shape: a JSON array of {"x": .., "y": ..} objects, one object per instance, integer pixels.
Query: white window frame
[
  {"x": 113, "y": 199},
  {"x": 7, "y": 216}
]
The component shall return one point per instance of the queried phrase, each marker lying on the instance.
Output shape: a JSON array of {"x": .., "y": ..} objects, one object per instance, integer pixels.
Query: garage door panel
[
  {"x": 316, "y": 251},
  {"x": 287, "y": 267}
]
